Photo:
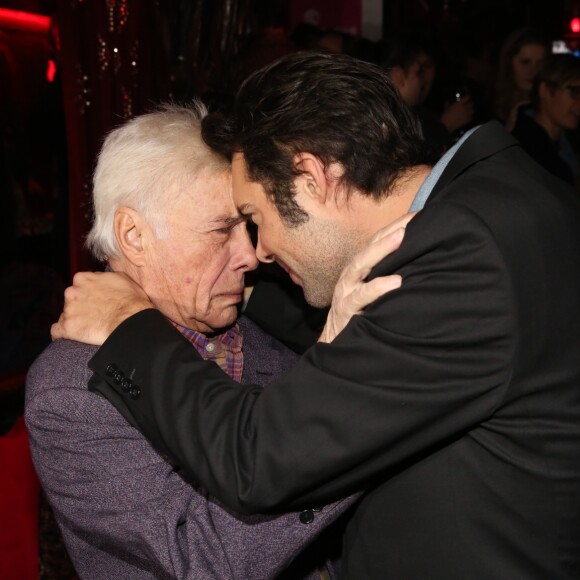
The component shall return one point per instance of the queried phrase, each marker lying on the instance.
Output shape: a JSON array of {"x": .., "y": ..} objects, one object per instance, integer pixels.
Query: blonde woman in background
[{"x": 521, "y": 57}]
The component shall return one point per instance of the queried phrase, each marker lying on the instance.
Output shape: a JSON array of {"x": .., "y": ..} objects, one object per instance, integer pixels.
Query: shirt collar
[
  {"x": 230, "y": 340},
  {"x": 225, "y": 349},
  {"x": 427, "y": 186}
]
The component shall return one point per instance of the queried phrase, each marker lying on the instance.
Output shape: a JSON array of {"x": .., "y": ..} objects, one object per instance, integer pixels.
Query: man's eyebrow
[{"x": 228, "y": 220}]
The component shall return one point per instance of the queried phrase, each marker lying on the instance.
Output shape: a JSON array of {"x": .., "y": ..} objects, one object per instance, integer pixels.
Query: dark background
[
  {"x": 116, "y": 58},
  {"x": 89, "y": 66}
]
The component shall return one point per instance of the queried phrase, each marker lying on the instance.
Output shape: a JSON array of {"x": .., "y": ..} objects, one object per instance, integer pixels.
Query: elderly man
[
  {"x": 164, "y": 216},
  {"x": 456, "y": 397}
]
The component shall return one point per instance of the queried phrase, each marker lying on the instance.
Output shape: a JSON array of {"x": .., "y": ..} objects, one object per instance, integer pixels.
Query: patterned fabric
[{"x": 224, "y": 349}]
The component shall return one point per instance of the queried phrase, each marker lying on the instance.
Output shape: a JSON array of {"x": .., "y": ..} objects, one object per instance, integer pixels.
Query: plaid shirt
[{"x": 224, "y": 349}]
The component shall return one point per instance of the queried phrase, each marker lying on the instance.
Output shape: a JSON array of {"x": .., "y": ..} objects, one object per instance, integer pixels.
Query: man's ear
[
  {"x": 398, "y": 76},
  {"x": 313, "y": 180},
  {"x": 129, "y": 231}
]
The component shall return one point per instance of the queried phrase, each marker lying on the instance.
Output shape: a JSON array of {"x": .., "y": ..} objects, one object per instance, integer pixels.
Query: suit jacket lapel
[
  {"x": 264, "y": 357},
  {"x": 488, "y": 140}
]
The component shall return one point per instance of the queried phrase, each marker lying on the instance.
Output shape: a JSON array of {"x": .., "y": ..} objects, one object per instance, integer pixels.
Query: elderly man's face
[{"x": 196, "y": 272}]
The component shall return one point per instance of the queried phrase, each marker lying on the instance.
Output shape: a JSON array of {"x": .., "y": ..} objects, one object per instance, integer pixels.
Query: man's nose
[
  {"x": 262, "y": 252},
  {"x": 245, "y": 254}
]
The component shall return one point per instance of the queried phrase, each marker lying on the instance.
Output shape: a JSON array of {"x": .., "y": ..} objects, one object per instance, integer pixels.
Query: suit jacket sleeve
[
  {"x": 423, "y": 366},
  {"x": 123, "y": 510}
]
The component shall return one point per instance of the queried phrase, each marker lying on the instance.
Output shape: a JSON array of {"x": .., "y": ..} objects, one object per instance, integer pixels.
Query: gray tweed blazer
[{"x": 123, "y": 511}]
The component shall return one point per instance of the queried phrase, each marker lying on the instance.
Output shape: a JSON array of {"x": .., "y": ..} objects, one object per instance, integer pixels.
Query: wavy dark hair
[{"x": 333, "y": 106}]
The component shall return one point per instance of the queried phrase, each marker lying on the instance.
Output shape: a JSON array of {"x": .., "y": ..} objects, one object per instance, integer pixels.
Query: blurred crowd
[
  {"x": 452, "y": 86},
  {"x": 515, "y": 80}
]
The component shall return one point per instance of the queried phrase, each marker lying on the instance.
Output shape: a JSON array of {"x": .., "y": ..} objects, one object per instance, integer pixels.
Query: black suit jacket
[{"x": 455, "y": 400}]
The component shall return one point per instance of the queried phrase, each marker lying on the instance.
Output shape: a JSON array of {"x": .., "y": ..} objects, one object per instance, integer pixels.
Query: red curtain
[
  {"x": 19, "y": 497},
  {"x": 120, "y": 57},
  {"x": 110, "y": 54}
]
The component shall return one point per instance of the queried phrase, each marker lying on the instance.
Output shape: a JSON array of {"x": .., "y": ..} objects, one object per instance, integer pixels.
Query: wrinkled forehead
[{"x": 205, "y": 196}]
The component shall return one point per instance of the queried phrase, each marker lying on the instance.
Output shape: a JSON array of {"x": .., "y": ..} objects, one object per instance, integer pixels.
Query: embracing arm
[
  {"x": 123, "y": 510},
  {"x": 118, "y": 299},
  {"x": 98, "y": 302},
  {"x": 423, "y": 365}
]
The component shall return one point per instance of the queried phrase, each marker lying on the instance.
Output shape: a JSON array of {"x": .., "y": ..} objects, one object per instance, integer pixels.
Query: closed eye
[
  {"x": 227, "y": 230},
  {"x": 232, "y": 225}
]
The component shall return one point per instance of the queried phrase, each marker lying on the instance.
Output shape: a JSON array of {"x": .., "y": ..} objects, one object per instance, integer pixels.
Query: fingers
[
  {"x": 56, "y": 328},
  {"x": 72, "y": 296},
  {"x": 368, "y": 292},
  {"x": 82, "y": 278},
  {"x": 379, "y": 286},
  {"x": 96, "y": 303}
]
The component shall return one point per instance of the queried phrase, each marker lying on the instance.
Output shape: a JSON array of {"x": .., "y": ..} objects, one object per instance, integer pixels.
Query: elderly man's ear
[{"x": 131, "y": 232}]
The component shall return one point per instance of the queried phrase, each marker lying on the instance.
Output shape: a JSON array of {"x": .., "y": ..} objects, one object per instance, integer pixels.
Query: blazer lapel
[
  {"x": 264, "y": 357},
  {"x": 488, "y": 140}
]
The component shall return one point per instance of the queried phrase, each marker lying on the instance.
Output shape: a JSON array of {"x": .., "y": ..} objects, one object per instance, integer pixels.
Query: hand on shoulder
[
  {"x": 95, "y": 304},
  {"x": 353, "y": 293}
]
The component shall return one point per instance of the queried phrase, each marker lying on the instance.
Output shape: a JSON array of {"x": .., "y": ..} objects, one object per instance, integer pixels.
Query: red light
[
  {"x": 23, "y": 20},
  {"x": 575, "y": 25},
  {"x": 50, "y": 71}
]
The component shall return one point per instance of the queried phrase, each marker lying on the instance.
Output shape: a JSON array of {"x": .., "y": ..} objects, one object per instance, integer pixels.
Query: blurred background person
[
  {"x": 412, "y": 68},
  {"x": 555, "y": 109},
  {"x": 521, "y": 57}
]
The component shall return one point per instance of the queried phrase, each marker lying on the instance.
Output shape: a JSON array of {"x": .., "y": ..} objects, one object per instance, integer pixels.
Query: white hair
[{"x": 141, "y": 163}]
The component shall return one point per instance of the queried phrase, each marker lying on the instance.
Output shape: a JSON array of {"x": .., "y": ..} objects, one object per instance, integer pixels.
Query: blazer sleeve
[
  {"x": 126, "y": 513},
  {"x": 423, "y": 366}
]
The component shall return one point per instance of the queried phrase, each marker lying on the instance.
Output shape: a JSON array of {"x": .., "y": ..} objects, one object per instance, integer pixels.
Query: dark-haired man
[{"x": 455, "y": 400}]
